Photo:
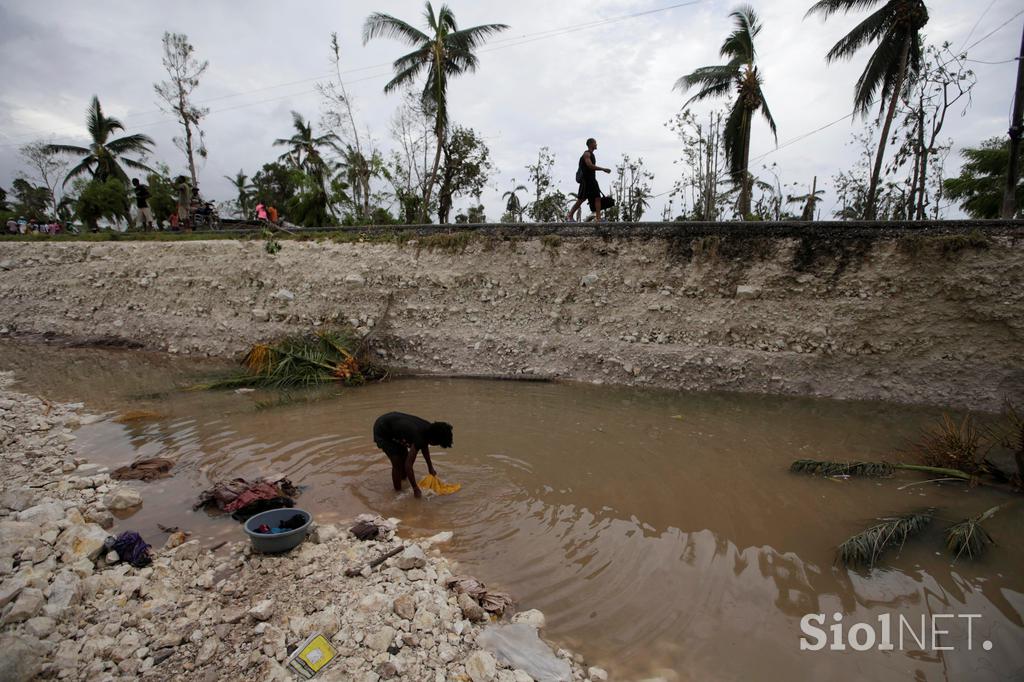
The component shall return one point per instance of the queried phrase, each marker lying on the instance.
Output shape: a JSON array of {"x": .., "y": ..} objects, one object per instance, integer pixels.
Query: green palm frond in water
[
  {"x": 868, "y": 469},
  {"x": 864, "y": 548},
  {"x": 305, "y": 360},
  {"x": 969, "y": 537}
]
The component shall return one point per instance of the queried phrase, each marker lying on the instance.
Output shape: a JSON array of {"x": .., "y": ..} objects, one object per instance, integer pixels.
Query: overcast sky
[{"x": 612, "y": 81}]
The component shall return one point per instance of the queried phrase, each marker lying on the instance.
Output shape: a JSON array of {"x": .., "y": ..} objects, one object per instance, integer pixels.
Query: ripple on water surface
[{"x": 656, "y": 530}]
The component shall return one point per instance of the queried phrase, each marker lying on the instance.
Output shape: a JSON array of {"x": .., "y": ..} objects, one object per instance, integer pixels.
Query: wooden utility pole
[{"x": 1016, "y": 129}]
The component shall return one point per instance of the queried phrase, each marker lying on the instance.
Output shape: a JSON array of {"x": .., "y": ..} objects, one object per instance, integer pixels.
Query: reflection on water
[{"x": 658, "y": 531}]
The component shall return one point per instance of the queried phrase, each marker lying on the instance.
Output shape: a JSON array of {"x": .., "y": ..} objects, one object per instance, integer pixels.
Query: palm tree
[
  {"x": 896, "y": 26},
  {"x": 304, "y": 153},
  {"x": 103, "y": 156},
  {"x": 446, "y": 52},
  {"x": 513, "y": 205},
  {"x": 741, "y": 73},
  {"x": 245, "y": 191}
]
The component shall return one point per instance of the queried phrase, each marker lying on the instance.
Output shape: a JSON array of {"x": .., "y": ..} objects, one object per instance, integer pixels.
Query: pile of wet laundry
[
  {"x": 242, "y": 498},
  {"x": 130, "y": 547},
  {"x": 144, "y": 470},
  {"x": 294, "y": 522}
]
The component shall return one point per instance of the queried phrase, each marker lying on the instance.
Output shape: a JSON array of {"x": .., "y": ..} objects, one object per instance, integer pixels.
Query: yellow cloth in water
[{"x": 431, "y": 482}]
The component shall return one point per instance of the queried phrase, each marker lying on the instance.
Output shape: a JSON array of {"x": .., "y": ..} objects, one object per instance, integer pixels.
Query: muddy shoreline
[{"x": 68, "y": 613}]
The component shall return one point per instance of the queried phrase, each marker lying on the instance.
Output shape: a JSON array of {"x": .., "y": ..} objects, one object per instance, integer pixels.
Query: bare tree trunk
[
  {"x": 870, "y": 211},
  {"x": 424, "y": 210},
  {"x": 745, "y": 187}
]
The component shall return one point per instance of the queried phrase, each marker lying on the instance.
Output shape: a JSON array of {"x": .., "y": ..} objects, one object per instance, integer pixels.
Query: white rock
[
  {"x": 532, "y": 617},
  {"x": 27, "y": 605},
  {"x": 81, "y": 541},
  {"x": 481, "y": 667},
  {"x": 597, "y": 674},
  {"x": 15, "y": 535},
  {"x": 328, "y": 532},
  {"x": 41, "y": 514},
  {"x": 424, "y": 620},
  {"x": 207, "y": 651},
  {"x": 411, "y": 557},
  {"x": 354, "y": 278},
  {"x": 284, "y": 295},
  {"x": 263, "y": 611},
  {"x": 120, "y": 499},
  {"x": 381, "y": 639},
  {"x": 11, "y": 588},
  {"x": 446, "y": 652},
  {"x": 373, "y": 602},
  {"x": 747, "y": 291},
  {"x": 439, "y": 538},
  {"x": 19, "y": 658},
  {"x": 63, "y": 593},
  {"x": 41, "y": 626},
  {"x": 189, "y": 550}
]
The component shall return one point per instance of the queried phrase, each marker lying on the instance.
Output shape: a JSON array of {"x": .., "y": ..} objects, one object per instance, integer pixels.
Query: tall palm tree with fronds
[
  {"x": 245, "y": 190},
  {"x": 103, "y": 158},
  {"x": 891, "y": 69},
  {"x": 304, "y": 147},
  {"x": 445, "y": 52},
  {"x": 742, "y": 75},
  {"x": 311, "y": 206},
  {"x": 513, "y": 205}
]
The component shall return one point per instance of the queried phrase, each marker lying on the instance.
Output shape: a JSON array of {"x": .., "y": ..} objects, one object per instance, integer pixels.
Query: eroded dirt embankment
[{"x": 931, "y": 319}]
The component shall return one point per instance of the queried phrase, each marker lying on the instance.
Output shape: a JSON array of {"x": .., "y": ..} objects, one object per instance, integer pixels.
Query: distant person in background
[
  {"x": 261, "y": 212},
  {"x": 184, "y": 200},
  {"x": 272, "y": 213},
  {"x": 22, "y": 225},
  {"x": 142, "y": 203},
  {"x": 589, "y": 190},
  {"x": 12, "y": 226}
]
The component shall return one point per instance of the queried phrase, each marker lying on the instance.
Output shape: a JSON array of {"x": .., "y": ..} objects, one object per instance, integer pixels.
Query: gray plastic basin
[{"x": 271, "y": 543}]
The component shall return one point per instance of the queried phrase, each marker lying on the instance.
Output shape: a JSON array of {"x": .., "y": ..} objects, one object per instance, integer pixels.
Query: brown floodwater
[{"x": 660, "y": 532}]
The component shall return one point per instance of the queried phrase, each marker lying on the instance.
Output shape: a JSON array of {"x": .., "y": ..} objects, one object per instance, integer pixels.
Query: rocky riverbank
[
  {"x": 71, "y": 611},
  {"x": 908, "y": 316}
]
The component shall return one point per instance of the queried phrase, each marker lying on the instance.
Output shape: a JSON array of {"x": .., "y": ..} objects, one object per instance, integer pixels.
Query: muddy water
[{"x": 660, "y": 532}]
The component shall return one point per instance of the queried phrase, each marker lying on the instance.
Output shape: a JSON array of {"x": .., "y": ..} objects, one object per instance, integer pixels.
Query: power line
[
  {"x": 993, "y": 31},
  {"x": 976, "y": 23},
  {"x": 982, "y": 61}
]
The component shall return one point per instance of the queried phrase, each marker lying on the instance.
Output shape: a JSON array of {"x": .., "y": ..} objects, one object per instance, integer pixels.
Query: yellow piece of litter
[
  {"x": 312, "y": 654},
  {"x": 431, "y": 482}
]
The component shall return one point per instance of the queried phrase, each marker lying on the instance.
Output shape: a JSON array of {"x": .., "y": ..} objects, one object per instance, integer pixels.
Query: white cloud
[{"x": 611, "y": 81}]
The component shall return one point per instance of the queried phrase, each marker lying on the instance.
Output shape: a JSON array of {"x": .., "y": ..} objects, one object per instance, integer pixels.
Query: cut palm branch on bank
[
  {"x": 864, "y": 549},
  {"x": 329, "y": 356}
]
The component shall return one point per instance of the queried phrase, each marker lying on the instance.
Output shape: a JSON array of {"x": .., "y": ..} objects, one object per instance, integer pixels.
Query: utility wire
[
  {"x": 976, "y": 23},
  {"x": 982, "y": 61},
  {"x": 993, "y": 31}
]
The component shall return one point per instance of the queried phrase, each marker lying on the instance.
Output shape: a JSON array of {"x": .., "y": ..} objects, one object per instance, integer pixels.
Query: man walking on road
[{"x": 589, "y": 190}]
